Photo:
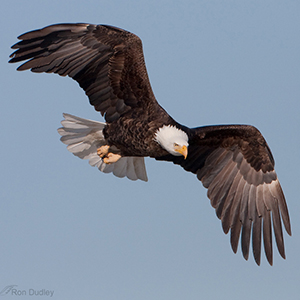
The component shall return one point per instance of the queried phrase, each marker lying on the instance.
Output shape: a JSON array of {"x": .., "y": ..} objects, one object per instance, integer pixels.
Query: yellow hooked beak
[{"x": 182, "y": 150}]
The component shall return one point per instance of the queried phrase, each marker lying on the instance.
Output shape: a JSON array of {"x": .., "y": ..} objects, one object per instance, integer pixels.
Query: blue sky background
[{"x": 67, "y": 227}]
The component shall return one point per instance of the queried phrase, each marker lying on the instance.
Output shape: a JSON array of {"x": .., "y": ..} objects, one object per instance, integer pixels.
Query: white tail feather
[{"x": 84, "y": 137}]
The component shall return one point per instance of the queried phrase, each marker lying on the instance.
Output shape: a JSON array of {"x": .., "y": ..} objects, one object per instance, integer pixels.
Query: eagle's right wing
[{"x": 107, "y": 62}]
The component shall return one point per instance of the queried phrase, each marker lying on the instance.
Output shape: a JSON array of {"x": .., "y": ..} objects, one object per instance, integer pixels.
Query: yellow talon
[
  {"x": 111, "y": 158},
  {"x": 103, "y": 150}
]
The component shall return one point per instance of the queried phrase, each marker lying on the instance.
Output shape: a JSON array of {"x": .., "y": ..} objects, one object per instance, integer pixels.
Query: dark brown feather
[
  {"x": 106, "y": 61},
  {"x": 236, "y": 165}
]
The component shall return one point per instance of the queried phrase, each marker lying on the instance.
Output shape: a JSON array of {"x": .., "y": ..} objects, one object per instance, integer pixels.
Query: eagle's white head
[{"x": 172, "y": 139}]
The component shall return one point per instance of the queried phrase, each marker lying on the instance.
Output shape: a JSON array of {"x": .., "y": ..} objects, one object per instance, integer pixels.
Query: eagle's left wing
[{"x": 235, "y": 164}]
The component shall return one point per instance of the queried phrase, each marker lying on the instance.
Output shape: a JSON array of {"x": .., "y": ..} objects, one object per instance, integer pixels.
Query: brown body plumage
[{"x": 233, "y": 162}]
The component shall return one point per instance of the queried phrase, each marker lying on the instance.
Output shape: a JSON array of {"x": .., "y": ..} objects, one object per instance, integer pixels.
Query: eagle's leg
[
  {"x": 103, "y": 150},
  {"x": 111, "y": 158}
]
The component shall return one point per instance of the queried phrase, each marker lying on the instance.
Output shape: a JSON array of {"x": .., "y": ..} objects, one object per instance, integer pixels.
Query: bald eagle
[{"x": 234, "y": 162}]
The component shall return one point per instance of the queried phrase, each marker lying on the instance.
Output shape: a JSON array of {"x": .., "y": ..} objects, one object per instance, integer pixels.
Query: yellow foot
[
  {"x": 111, "y": 158},
  {"x": 103, "y": 151}
]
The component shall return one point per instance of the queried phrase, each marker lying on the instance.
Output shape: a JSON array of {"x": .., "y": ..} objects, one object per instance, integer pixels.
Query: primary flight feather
[{"x": 234, "y": 162}]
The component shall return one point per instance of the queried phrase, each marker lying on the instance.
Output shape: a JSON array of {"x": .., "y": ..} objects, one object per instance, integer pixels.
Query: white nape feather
[
  {"x": 168, "y": 135},
  {"x": 84, "y": 137}
]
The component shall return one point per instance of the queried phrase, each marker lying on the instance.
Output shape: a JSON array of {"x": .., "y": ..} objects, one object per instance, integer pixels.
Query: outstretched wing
[
  {"x": 235, "y": 164},
  {"x": 106, "y": 61}
]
